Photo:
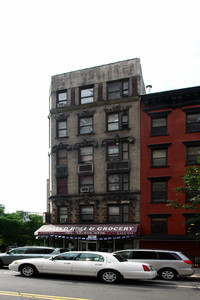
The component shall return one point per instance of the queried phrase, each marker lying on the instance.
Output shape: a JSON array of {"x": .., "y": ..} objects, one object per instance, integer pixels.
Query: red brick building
[{"x": 170, "y": 141}]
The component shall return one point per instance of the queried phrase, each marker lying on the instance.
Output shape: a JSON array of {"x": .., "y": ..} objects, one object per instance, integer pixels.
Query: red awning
[{"x": 96, "y": 229}]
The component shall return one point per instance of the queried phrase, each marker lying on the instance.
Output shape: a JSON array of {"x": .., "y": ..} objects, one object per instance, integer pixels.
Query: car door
[
  {"x": 88, "y": 264},
  {"x": 59, "y": 264},
  {"x": 14, "y": 254},
  {"x": 149, "y": 257}
]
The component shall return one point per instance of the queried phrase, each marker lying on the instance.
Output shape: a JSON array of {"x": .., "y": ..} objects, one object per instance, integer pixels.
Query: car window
[
  {"x": 90, "y": 257},
  {"x": 168, "y": 256},
  {"x": 48, "y": 251},
  {"x": 125, "y": 254},
  {"x": 66, "y": 256},
  {"x": 33, "y": 251},
  {"x": 144, "y": 255},
  {"x": 18, "y": 251},
  {"x": 120, "y": 257}
]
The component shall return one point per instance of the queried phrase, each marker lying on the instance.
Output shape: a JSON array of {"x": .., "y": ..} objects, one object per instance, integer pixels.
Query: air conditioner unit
[
  {"x": 61, "y": 105},
  {"x": 85, "y": 190},
  {"x": 82, "y": 168}
]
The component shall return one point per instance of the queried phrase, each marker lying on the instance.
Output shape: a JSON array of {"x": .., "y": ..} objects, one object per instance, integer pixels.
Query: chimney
[{"x": 149, "y": 87}]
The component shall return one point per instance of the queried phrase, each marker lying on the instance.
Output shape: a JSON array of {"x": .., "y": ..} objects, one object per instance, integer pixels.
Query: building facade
[
  {"x": 94, "y": 158},
  {"x": 170, "y": 141}
]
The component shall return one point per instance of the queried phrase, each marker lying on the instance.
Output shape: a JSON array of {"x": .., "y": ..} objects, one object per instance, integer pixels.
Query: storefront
[{"x": 98, "y": 237}]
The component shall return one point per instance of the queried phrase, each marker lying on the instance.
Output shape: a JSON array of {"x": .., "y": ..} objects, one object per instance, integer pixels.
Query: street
[{"x": 14, "y": 286}]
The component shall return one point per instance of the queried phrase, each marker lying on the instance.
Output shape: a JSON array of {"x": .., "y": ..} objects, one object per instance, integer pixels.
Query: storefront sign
[{"x": 97, "y": 229}]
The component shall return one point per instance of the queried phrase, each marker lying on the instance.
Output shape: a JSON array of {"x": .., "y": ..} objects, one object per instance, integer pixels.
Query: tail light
[
  {"x": 189, "y": 262},
  {"x": 146, "y": 268}
]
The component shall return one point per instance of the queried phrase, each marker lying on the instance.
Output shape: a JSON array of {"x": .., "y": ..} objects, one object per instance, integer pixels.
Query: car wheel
[
  {"x": 28, "y": 270},
  {"x": 109, "y": 276},
  {"x": 167, "y": 274}
]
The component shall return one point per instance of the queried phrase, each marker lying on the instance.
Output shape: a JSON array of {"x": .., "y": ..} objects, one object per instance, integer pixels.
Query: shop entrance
[{"x": 87, "y": 246}]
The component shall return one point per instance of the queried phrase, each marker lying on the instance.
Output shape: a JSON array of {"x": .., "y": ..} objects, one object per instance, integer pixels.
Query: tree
[
  {"x": 13, "y": 231},
  {"x": 191, "y": 189}
]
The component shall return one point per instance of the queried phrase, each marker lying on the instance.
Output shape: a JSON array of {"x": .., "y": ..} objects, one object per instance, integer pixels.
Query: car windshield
[{"x": 119, "y": 257}]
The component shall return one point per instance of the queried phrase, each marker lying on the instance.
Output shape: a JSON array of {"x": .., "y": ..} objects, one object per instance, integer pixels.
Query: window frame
[
  {"x": 164, "y": 192},
  {"x": 189, "y": 161},
  {"x": 81, "y": 156},
  {"x": 159, "y": 147},
  {"x": 193, "y": 126},
  {"x": 159, "y": 229},
  {"x": 62, "y": 102},
  {"x": 60, "y": 214},
  {"x": 90, "y": 219},
  {"x": 82, "y": 98},
  {"x": 90, "y": 186},
  {"x": 85, "y": 126},
  {"x": 159, "y": 130},
  {"x": 121, "y": 152},
  {"x": 60, "y": 158},
  {"x": 121, "y": 90},
  {"x": 122, "y": 214},
  {"x": 60, "y": 187},
  {"x": 122, "y": 124},
  {"x": 121, "y": 182},
  {"x": 58, "y": 130}
]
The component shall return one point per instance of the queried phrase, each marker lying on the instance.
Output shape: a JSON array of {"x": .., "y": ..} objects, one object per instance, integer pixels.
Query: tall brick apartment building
[
  {"x": 94, "y": 159},
  {"x": 170, "y": 141}
]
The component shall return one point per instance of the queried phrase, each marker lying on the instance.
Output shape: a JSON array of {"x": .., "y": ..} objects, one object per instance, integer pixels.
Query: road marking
[{"x": 36, "y": 296}]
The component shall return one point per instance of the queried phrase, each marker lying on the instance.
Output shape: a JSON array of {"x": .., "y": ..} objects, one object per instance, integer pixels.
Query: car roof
[{"x": 155, "y": 250}]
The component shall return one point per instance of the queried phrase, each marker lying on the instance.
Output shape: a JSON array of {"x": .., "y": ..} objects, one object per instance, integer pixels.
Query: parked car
[
  {"x": 105, "y": 266},
  {"x": 27, "y": 252},
  {"x": 168, "y": 264}
]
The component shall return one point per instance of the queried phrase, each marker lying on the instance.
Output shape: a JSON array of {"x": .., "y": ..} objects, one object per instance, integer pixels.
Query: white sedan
[{"x": 107, "y": 267}]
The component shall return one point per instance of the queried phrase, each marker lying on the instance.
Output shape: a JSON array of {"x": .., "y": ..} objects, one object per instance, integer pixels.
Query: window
[
  {"x": 86, "y": 95},
  {"x": 66, "y": 256},
  {"x": 159, "y": 126},
  {"x": 192, "y": 119},
  {"x": 118, "y": 213},
  {"x": 118, "y": 182},
  {"x": 159, "y": 225},
  {"x": 192, "y": 224},
  {"x": 61, "y": 98},
  {"x": 90, "y": 257},
  {"x": 159, "y": 189},
  {"x": 62, "y": 129},
  {"x": 159, "y": 123},
  {"x": 193, "y": 155},
  {"x": 117, "y": 151},
  {"x": 159, "y": 158},
  {"x": 86, "y": 183},
  {"x": 61, "y": 185},
  {"x": 86, "y": 125},
  {"x": 117, "y": 121},
  {"x": 62, "y": 215},
  {"x": 144, "y": 255},
  {"x": 61, "y": 158},
  {"x": 86, "y": 214},
  {"x": 159, "y": 155},
  {"x": 86, "y": 155},
  {"x": 118, "y": 89}
]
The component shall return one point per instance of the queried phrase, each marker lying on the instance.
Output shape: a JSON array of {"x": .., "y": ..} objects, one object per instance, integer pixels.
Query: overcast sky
[{"x": 41, "y": 38}]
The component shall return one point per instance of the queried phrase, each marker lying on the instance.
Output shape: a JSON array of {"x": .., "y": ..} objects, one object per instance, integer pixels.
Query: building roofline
[{"x": 99, "y": 66}]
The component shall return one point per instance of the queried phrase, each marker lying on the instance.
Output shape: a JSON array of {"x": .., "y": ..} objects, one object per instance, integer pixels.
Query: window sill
[{"x": 167, "y": 166}]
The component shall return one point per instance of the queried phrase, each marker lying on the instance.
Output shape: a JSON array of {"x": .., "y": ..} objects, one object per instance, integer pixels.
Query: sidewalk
[{"x": 196, "y": 273}]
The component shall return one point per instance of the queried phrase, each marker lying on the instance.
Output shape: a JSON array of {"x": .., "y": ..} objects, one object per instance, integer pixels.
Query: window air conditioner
[
  {"x": 84, "y": 189},
  {"x": 61, "y": 105},
  {"x": 82, "y": 168}
]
